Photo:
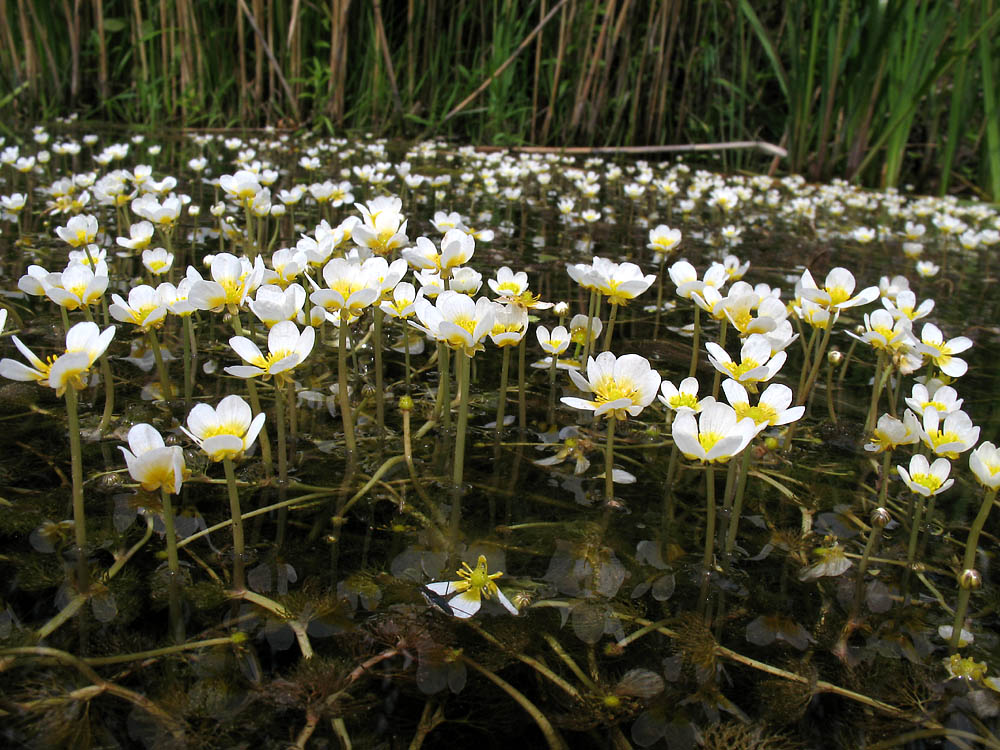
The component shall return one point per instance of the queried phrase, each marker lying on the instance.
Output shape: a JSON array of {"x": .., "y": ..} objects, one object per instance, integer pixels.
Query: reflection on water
[{"x": 808, "y": 629}]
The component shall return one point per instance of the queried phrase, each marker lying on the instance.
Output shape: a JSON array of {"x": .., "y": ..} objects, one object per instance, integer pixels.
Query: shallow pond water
[{"x": 345, "y": 634}]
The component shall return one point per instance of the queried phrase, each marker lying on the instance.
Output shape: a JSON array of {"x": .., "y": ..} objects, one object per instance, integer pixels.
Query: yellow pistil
[
  {"x": 709, "y": 439},
  {"x": 609, "y": 389},
  {"x": 738, "y": 370},
  {"x": 838, "y": 294},
  {"x": 685, "y": 399},
  {"x": 478, "y": 578},
  {"x": 929, "y": 481},
  {"x": 760, "y": 414}
]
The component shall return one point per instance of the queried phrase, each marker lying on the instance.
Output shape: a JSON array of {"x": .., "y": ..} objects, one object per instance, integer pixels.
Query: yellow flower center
[
  {"x": 838, "y": 294},
  {"x": 223, "y": 428},
  {"x": 684, "y": 399},
  {"x": 609, "y": 389},
  {"x": 930, "y": 481},
  {"x": 760, "y": 414},
  {"x": 709, "y": 439},
  {"x": 741, "y": 369}
]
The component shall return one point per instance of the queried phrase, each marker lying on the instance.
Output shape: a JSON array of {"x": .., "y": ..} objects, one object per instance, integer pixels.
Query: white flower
[
  {"x": 79, "y": 230},
  {"x": 773, "y": 408},
  {"x": 151, "y": 463},
  {"x": 145, "y": 308},
  {"x": 273, "y": 304},
  {"x": 233, "y": 280},
  {"x": 85, "y": 342},
  {"x": 350, "y": 289},
  {"x": 932, "y": 344},
  {"x": 555, "y": 342},
  {"x": 140, "y": 235},
  {"x": 985, "y": 464},
  {"x": 226, "y": 431},
  {"x": 680, "y": 398},
  {"x": 924, "y": 478},
  {"x": 955, "y": 436},
  {"x": 287, "y": 348},
  {"x": 891, "y": 432},
  {"x": 157, "y": 260},
  {"x": 944, "y": 398},
  {"x": 621, "y": 386},
  {"x": 510, "y": 323},
  {"x": 716, "y": 435},
  {"x": 474, "y": 585},
  {"x": 756, "y": 363},
  {"x": 837, "y": 290},
  {"x": 456, "y": 320}
]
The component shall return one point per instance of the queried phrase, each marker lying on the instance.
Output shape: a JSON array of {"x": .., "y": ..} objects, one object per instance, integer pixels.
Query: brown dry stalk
[{"x": 270, "y": 56}]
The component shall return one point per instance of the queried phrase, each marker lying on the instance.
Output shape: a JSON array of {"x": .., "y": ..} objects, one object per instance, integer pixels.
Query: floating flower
[
  {"x": 926, "y": 478},
  {"x": 621, "y": 386},
  {"x": 150, "y": 462},
  {"x": 224, "y": 432},
  {"x": 473, "y": 585}
]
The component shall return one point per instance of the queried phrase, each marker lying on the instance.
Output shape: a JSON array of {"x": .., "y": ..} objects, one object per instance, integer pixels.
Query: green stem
[
  {"x": 444, "y": 385},
  {"x": 659, "y": 301},
  {"x": 706, "y": 558},
  {"x": 239, "y": 563},
  {"x": 552, "y": 738},
  {"x": 611, "y": 327},
  {"x": 588, "y": 336},
  {"x": 695, "y": 342},
  {"x": 883, "y": 490},
  {"x": 188, "y": 364},
  {"x": 161, "y": 367},
  {"x": 79, "y": 518},
  {"x": 522, "y": 392},
  {"x": 723, "y": 329},
  {"x": 876, "y": 390},
  {"x": 464, "y": 362},
  {"x": 609, "y": 461},
  {"x": 734, "y": 518},
  {"x": 969, "y": 563},
  {"x": 831, "y": 412},
  {"x": 279, "y": 409},
  {"x": 265, "y": 441},
  {"x": 551, "y": 416},
  {"x": 911, "y": 548},
  {"x": 342, "y": 392},
  {"x": 173, "y": 565},
  {"x": 502, "y": 395},
  {"x": 379, "y": 387}
]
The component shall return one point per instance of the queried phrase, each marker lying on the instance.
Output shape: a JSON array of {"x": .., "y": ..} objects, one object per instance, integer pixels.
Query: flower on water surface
[
  {"x": 932, "y": 344},
  {"x": 226, "y": 431},
  {"x": 890, "y": 432},
  {"x": 956, "y": 435},
  {"x": 85, "y": 342},
  {"x": 756, "y": 364},
  {"x": 774, "y": 407},
  {"x": 716, "y": 435},
  {"x": 926, "y": 478},
  {"x": 473, "y": 585},
  {"x": 287, "y": 348},
  {"x": 621, "y": 386},
  {"x": 150, "y": 462},
  {"x": 985, "y": 464}
]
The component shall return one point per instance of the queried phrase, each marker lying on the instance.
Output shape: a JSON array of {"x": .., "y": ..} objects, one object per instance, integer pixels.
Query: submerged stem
[
  {"x": 173, "y": 565},
  {"x": 239, "y": 563},
  {"x": 342, "y": 392},
  {"x": 79, "y": 514}
]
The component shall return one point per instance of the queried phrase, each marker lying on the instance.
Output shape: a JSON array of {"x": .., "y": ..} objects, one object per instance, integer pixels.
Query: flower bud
[
  {"x": 880, "y": 518},
  {"x": 406, "y": 402},
  {"x": 835, "y": 357},
  {"x": 970, "y": 579},
  {"x": 561, "y": 309}
]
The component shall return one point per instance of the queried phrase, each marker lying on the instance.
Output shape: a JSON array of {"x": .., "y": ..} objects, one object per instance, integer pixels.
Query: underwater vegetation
[{"x": 317, "y": 442}]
